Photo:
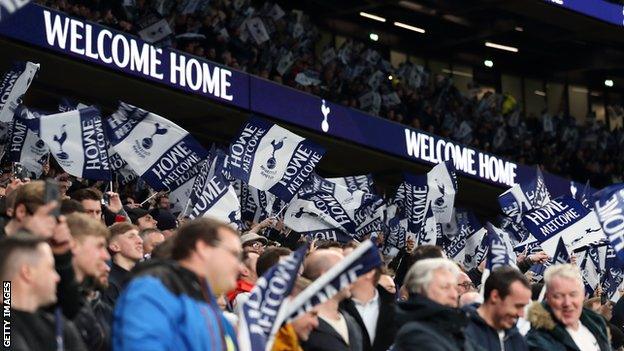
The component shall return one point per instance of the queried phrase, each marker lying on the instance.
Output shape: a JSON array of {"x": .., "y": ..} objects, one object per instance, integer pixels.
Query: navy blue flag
[
  {"x": 609, "y": 206},
  {"x": 613, "y": 276},
  {"x": 564, "y": 218},
  {"x": 353, "y": 183},
  {"x": 524, "y": 197},
  {"x": 14, "y": 85},
  {"x": 582, "y": 193},
  {"x": 271, "y": 158},
  {"x": 415, "y": 204},
  {"x": 259, "y": 315},
  {"x": 77, "y": 141},
  {"x": 498, "y": 252},
  {"x": 360, "y": 261},
  {"x": 9, "y": 8}
]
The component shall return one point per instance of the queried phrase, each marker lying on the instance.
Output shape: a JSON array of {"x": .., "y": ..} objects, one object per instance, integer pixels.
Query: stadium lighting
[
  {"x": 608, "y": 83},
  {"x": 540, "y": 93},
  {"x": 407, "y": 26},
  {"x": 501, "y": 47},
  {"x": 390, "y": 77},
  {"x": 373, "y": 17},
  {"x": 519, "y": 29},
  {"x": 373, "y": 37},
  {"x": 488, "y": 63}
]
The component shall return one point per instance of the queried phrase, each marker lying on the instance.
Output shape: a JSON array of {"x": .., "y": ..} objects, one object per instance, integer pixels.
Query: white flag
[{"x": 13, "y": 85}]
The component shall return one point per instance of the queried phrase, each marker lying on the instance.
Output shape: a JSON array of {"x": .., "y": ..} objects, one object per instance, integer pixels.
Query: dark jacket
[
  {"x": 385, "y": 330},
  {"x": 93, "y": 322},
  {"x": 168, "y": 307},
  {"x": 324, "y": 337},
  {"x": 549, "y": 334},
  {"x": 425, "y": 325},
  {"x": 480, "y": 333},
  {"x": 37, "y": 332},
  {"x": 116, "y": 282}
]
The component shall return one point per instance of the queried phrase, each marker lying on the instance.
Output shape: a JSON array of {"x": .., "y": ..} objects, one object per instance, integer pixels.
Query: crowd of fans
[
  {"x": 285, "y": 46},
  {"x": 122, "y": 275}
]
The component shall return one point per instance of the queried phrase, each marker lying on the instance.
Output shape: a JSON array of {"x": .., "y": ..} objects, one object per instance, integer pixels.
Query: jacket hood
[
  {"x": 540, "y": 316},
  {"x": 420, "y": 308}
]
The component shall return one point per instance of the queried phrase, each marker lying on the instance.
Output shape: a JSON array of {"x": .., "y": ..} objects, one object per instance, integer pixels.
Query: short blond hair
[
  {"x": 82, "y": 225},
  {"x": 566, "y": 271}
]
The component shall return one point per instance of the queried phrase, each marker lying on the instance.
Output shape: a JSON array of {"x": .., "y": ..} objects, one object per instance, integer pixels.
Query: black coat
[
  {"x": 117, "y": 280},
  {"x": 37, "y": 332},
  {"x": 385, "y": 330},
  {"x": 324, "y": 337},
  {"x": 480, "y": 333},
  {"x": 426, "y": 325}
]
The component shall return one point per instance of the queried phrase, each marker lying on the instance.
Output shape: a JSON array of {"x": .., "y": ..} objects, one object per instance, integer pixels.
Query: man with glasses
[
  {"x": 253, "y": 242},
  {"x": 171, "y": 305}
]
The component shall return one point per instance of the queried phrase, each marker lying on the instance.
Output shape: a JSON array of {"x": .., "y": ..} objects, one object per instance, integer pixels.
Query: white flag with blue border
[
  {"x": 77, "y": 141},
  {"x": 271, "y": 158},
  {"x": 165, "y": 155},
  {"x": 13, "y": 86}
]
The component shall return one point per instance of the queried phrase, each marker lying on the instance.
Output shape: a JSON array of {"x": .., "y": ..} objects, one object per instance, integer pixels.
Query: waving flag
[
  {"x": 271, "y": 158},
  {"x": 430, "y": 231},
  {"x": 25, "y": 146},
  {"x": 613, "y": 275},
  {"x": 524, "y": 197},
  {"x": 120, "y": 168},
  {"x": 213, "y": 196},
  {"x": 582, "y": 193},
  {"x": 321, "y": 216},
  {"x": 14, "y": 84},
  {"x": 166, "y": 156},
  {"x": 499, "y": 253},
  {"x": 412, "y": 201},
  {"x": 591, "y": 270},
  {"x": 353, "y": 183},
  {"x": 442, "y": 182},
  {"x": 476, "y": 247},
  {"x": 360, "y": 261},
  {"x": 609, "y": 206},
  {"x": 566, "y": 218},
  {"x": 258, "y": 315},
  {"x": 77, "y": 141}
]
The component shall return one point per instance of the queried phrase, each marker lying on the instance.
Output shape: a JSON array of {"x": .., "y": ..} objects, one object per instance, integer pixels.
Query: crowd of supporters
[
  {"x": 286, "y": 46},
  {"x": 121, "y": 272}
]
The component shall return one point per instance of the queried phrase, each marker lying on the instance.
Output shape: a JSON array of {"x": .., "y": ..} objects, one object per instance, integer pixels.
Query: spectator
[
  {"x": 337, "y": 330},
  {"x": 386, "y": 282},
  {"x": 91, "y": 201},
  {"x": 126, "y": 247},
  {"x": 151, "y": 238},
  {"x": 181, "y": 293},
  {"x": 165, "y": 221},
  {"x": 27, "y": 262},
  {"x": 163, "y": 203},
  {"x": 493, "y": 324},
  {"x": 429, "y": 319},
  {"x": 561, "y": 322},
  {"x": 246, "y": 281},
  {"x": 372, "y": 307},
  {"x": 269, "y": 258},
  {"x": 89, "y": 263},
  {"x": 290, "y": 335},
  {"x": 254, "y": 242},
  {"x": 142, "y": 219}
]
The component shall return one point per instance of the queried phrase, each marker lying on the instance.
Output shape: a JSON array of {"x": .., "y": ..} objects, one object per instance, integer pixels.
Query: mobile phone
[
  {"x": 53, "y": 193},
  {"x": 105, "y": 199},
  {"x": 20, "y": 172}
]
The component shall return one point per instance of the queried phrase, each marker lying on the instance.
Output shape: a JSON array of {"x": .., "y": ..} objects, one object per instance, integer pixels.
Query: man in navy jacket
[{"x": 493, "y": 324}]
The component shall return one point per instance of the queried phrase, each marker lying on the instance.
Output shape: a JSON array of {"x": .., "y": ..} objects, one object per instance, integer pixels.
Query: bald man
[{"x": 337, "y": 330}]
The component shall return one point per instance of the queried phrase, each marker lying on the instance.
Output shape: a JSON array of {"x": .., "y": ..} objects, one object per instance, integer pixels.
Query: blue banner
[
  {"x": 609, "y": 206},
  {"x": 498, "y": 251},
  {"x": 360, "y": 261},
  {"x": 259, "y": 314},
  {"x": 25, "y": 146},
  {"x": 566, "y": 218}
]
